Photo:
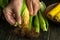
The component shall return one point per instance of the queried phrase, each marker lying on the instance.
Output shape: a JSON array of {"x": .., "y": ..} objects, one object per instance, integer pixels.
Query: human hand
[
  {"x": 33, "y": 6},
  {"x": 12, "y": 12}
]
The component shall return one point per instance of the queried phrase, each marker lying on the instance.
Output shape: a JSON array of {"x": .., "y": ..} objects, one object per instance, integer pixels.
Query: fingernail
[
  {"x": 19, "y": 21},
  {"x": 15, "y": 24}
]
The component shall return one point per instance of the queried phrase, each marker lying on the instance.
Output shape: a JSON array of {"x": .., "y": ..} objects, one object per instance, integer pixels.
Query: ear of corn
[
  {"x": 47, "y": 24},
  {"x": 39, "y": 21},
  {"x": 54, "y": 11},
  {"x": 42, "y": 22},
  {"x": 23, "y": 7},
  {"x": 25, "y": 18},
  {"x": 57, "y": 17},
  {"x": 36, "y": 24}
]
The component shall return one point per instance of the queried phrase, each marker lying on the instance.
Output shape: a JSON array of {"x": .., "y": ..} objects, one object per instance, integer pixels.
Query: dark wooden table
[{"x": 52, "y": 34}]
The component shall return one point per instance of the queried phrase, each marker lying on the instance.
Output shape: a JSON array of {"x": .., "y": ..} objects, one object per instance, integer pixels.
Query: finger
[
  {"x": 17, "y": 8},
  {"x": 18, "y": 14},
  {"x": 18, "y": 18},
  {"x": 30, "y": 7},
  {"x": 7, "y": 12},
  {"x": 35, "y": 10},
  {"x": 36, "y": 6}
]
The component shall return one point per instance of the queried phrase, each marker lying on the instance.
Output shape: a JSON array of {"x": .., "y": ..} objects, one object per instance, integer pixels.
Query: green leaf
[
  {"x": 43, "y": 6},
  {"x": 36, "y": 23}
]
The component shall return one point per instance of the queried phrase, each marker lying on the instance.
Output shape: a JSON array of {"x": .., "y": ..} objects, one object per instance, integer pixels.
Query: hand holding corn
[
  {"x": 18, "y": 11},
  {"x": 13, "y": 10},
  {"x": 33, "y": 6}
]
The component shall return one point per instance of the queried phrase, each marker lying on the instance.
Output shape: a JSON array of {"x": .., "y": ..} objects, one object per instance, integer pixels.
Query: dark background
[{"x": 52, "y": 34}]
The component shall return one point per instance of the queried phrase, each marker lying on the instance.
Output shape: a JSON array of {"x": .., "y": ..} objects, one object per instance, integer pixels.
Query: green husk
[
  {"x": 43, "y": 6},
  {"x": 31, "y": 20},
  {"x": 42, "y": 21},
  {"x": 36, "y": 24},
  {"x": 23, "y": 7}
]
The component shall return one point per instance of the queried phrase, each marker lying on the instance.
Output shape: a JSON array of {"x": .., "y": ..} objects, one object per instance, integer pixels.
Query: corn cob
[
  {"x": 42, "y": 21},
  {"x": 23, "y": 7},
  {"x": 25, "y": 18},
  {"x": 54, "y": 11},
  {"x": 46, "y": 22},
  {"x": 36, "y": 24},
  {"x": 57, "y": 17}
]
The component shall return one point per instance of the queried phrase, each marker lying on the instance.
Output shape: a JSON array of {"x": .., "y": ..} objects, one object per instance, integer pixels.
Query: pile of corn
[
  {"x": 54, "y": 13},
  {"x": 33, "y": 23}
]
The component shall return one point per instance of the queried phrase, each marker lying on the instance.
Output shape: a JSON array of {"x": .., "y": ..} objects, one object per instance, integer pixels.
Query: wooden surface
[{"x": 52, "y": 34}]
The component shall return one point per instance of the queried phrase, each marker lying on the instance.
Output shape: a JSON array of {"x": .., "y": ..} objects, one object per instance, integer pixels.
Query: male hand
[
  {"x": 12, "y": 12},
  {"x": 33, "y": 6}
]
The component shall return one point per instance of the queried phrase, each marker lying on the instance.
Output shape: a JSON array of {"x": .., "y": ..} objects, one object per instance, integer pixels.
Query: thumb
[{"x": 18, "y": 17}]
